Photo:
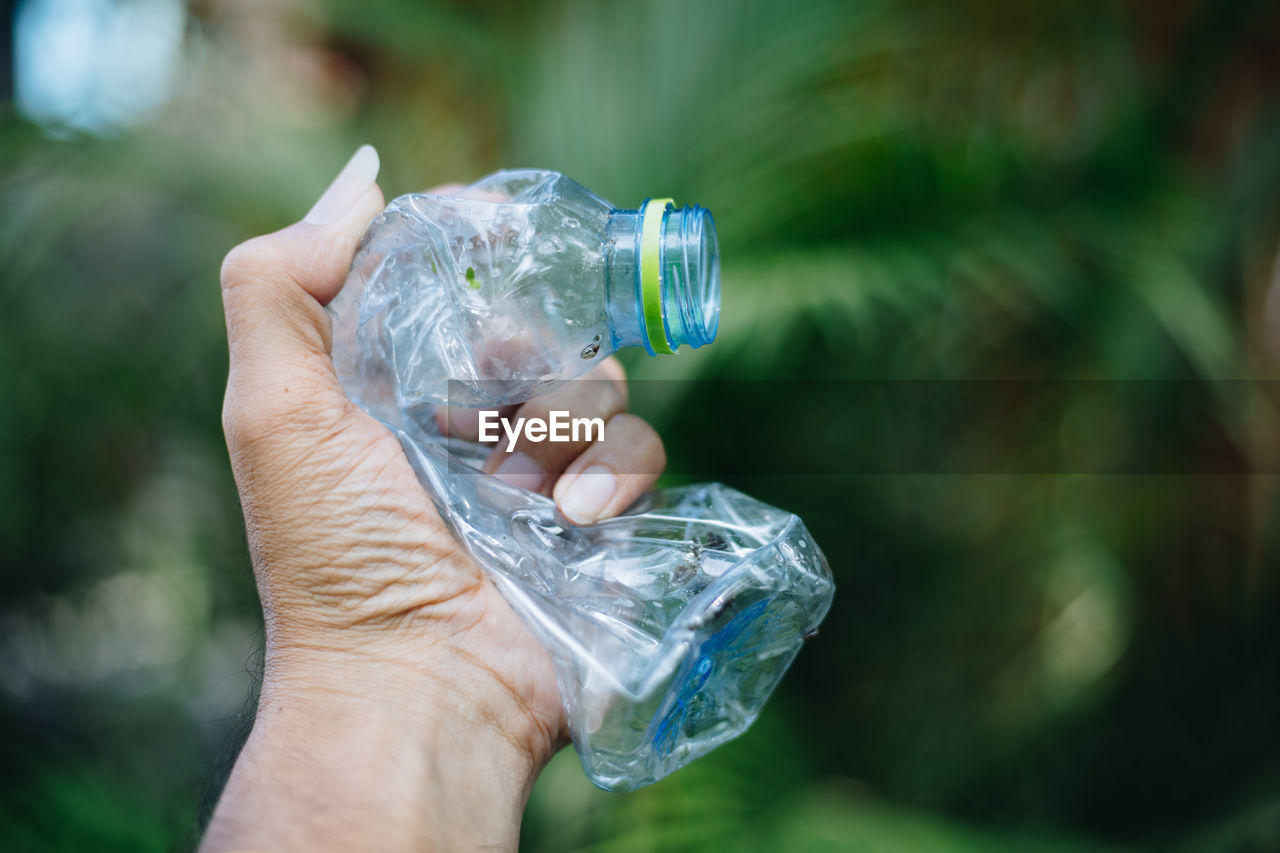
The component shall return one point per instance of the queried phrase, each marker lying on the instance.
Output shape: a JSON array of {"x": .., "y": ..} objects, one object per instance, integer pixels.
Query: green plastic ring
[{"x": 651, "y": 273}]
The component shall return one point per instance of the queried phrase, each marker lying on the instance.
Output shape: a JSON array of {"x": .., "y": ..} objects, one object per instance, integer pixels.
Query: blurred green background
[{"x": 904, "y": 189}]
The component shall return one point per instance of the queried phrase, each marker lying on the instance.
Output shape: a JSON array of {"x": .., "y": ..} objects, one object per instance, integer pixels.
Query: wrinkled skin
[{"x": 400, "y": 689}]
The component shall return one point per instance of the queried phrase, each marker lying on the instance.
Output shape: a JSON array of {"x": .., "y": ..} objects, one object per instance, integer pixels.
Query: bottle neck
[{"x": 662, "y": 277}]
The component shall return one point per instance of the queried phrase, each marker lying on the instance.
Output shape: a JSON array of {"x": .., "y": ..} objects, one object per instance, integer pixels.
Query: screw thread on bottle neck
[{"x": 680, "y": 274}]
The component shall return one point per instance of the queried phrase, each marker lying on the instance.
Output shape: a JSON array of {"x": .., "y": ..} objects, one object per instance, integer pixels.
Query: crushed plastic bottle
[
  {"x": 669, "y": 625},
  {"x": 525, "y": 282}
]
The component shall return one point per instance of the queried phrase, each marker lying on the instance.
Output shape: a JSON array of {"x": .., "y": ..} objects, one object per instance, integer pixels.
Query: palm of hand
[{"x": 347, "y": 542}]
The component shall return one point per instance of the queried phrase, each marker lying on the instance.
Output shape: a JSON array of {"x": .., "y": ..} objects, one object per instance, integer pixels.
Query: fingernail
[
  {"x": 521, "y": 471},
  {"x": 589, "y": 494},
  {"x": 356, "y": 177}
]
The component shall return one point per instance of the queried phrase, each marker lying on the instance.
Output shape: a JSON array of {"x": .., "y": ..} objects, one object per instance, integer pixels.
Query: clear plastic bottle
[
  {"x": 670, "y": 624},
  {"x": 523, "y": 280}
]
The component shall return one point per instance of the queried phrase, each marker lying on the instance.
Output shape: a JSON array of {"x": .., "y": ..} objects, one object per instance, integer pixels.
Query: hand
[{"x": 404, "y": 705}]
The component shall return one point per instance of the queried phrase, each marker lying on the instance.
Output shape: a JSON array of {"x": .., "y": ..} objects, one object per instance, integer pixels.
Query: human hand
[{"x": 403, "y": 704}]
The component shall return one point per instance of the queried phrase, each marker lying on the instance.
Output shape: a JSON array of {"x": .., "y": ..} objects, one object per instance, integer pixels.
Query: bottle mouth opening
[
  {"x": 679, "y": 276},
  {"x": 708, "y": 289},
  {"x": 691, "y": 278}
]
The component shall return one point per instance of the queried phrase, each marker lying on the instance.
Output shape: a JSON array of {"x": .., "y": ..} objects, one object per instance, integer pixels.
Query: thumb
[{"x": 274, "y": 287}]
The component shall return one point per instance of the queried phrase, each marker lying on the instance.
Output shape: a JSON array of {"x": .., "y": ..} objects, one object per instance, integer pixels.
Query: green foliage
[{"x": 904, "y": 191}]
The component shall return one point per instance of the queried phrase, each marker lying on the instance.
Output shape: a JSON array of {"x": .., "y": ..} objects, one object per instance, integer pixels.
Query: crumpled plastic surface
[
  {"x": 453, "y": 289},
  {"x": 670, "y": 625}
]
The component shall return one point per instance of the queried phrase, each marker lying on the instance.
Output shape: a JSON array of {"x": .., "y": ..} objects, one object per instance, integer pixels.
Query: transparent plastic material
[
  {"x": 520, "y": 281},
  {"x": 670, "y": 625}
]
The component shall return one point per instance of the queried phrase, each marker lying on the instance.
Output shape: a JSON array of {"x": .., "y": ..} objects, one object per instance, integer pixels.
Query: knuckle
[
  {"x": 238, "y": 264},
  {"x": 639, "y": 435},
  {"x": 270, "y": 258},
  {"x": 598, "y": 397},
  {"x": 611, "y": 368},
  {"x": 246, "y": 262},
  {"x": 615, "y": 376},
  {"x": 242, "y": 425},
  {"x": 296, "y": 408},
  {"x": 236, "y": 426},
  {"x": 658, "y": 449},
  {"x": 618, "y": 379},
  {"x": 249, "y": 419},
  {"x": 631, "y": 425}
]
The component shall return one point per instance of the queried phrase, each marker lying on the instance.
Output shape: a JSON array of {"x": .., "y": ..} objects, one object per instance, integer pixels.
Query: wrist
[{"x": 363, "y": 752}]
